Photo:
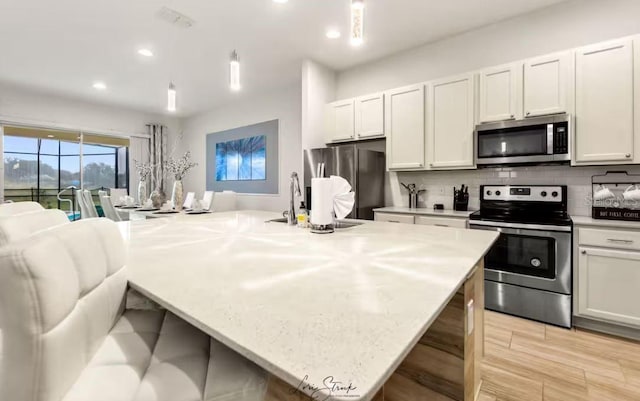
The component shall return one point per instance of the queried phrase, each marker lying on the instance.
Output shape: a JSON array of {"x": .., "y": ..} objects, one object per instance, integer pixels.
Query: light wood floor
[{"x": 526, "y": 360}]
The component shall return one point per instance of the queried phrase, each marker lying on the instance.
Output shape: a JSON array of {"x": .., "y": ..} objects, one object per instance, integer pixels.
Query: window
[
  {"x": 241, "y": 159},
  {"x": 40, "y": 163}
]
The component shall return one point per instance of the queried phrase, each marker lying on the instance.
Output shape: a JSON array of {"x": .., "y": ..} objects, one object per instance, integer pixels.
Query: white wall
[
  {"x": 24, "y": 104},
  {"x": 318, "y": 89},
  {"x": 283, "y": 104},
  {"x": 559, "y": 27}
]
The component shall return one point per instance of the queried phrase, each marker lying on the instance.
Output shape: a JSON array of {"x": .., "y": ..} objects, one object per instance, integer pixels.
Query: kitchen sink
[{"x": 340, "y": 224}]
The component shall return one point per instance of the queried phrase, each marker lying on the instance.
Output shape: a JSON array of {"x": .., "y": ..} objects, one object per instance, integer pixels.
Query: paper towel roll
[{"x": 321, "y": 201}]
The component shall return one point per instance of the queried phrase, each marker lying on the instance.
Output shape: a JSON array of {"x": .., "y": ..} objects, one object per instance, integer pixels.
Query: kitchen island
[{"x": 388, "y": 311}]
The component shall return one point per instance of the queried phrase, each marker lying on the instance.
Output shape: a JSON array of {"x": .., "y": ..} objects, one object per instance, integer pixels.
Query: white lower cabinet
[{"x": 609, "y": 285}]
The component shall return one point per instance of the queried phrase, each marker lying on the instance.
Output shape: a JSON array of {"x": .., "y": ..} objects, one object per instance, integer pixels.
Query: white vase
[
  {"x": 142, "y": 192},
  {"x": 177, "y": 196}
]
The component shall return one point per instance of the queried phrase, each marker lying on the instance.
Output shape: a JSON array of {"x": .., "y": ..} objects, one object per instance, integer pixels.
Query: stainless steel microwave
[{"x": 538, "y": 140}]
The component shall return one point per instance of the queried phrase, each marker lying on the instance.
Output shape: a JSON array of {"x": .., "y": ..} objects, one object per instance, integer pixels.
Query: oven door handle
[{"x": 498, "y": 224}]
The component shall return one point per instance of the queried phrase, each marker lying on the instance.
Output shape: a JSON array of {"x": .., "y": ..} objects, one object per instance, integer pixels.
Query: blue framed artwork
[
  {"x": 244, "y": 159},
  {"x": 241, "y": 159}
]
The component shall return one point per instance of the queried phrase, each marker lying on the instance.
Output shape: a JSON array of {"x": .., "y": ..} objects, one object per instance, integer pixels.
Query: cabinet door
[
  {"x": 546, "y": 84},
  {"x": 451, "y": 122},
  {"x": 604, "y": 103},
  {"x": 341, "y": 121},
  {"x": 499, "y": 93},
  {"x": 608, "y": 283},
  {"x": 441, "y": 221},
  {"x": 370, "y": 116},
  {"x": 405, "y": 128}
]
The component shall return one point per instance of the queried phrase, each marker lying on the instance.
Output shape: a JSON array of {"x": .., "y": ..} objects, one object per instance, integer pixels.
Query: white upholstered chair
[
  {"x": 188, "y": 200},
  {"x": 19, "y": 226},
  {"x": 67, "y": 338},
  {"x": 88, "y": 199},
  {"x": 224, "y": 201},
  {"x": 87, "y": 207},
  {"x": 207, "y": 200},
  {"x": 117, "y": 193},
  {"x": 110, "y": 212},
  {"x": 8, "y": 209}
]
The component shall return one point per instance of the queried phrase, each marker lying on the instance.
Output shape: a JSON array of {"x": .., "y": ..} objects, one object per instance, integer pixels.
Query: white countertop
[
  {"x": 589, "y": 221},
  {"x": 424, "y": 211},
  {"x": 349, "y": 305}
]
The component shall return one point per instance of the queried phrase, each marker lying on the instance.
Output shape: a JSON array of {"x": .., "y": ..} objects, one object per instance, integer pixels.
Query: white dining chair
[
  {"x": 188, "y": 200},
  {"x": 110, "y": 212},
  {"x": 224, "y": 201},
  {"x": 13, "y": 208},
  {"x": 117, "y": 193},
  {"x": 91, "y": 206},
  {"x": 84, "y": 209},
  {"x": 207, "y": 200}
]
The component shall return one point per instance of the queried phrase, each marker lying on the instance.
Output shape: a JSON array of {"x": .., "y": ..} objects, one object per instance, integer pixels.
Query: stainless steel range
[{"x": 528, "y": 269}]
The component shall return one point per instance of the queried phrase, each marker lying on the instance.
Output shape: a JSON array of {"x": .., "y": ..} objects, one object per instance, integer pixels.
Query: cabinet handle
[
  {"x": 393, "y": 221},
  {"x": 441, "y": 225},
  {"x": 512, "y": 116},
  {"x": 583, "y": 252},
  {"x": 628, "y": 155},
  {"x": 528, "y": 113},
  {"x": 622, "y": 241}
]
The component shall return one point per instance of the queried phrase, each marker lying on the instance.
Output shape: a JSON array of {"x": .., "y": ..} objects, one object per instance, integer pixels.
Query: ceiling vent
[{"x": 175, "y": 18}]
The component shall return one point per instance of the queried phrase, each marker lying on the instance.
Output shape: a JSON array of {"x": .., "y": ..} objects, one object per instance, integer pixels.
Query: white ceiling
[{"x": 63, "y": 46}]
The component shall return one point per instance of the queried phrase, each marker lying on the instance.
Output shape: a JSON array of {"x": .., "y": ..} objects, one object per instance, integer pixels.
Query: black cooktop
[{"x": 523, "y": 218}]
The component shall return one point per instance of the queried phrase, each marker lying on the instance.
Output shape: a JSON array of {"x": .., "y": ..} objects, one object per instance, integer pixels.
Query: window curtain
[
  {"x": 138, "y": 151},
  {"x": 157, "y": 155}
]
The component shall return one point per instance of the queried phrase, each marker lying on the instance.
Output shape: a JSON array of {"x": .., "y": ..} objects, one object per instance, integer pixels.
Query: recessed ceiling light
[
  {"x": 280, "y": 1},
  {"x": 333, "y": 33},
  {"x": 99, "y": 86},
  {"x": 50, "y": 136},
  {"x": 145, "y": 52}
]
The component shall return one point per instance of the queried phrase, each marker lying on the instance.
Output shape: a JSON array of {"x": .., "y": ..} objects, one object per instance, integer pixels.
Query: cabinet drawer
[
  {"x": 609, "y": 238},
  {"x": 395, "y": 218},
  {"x": 441, "y": 221}
]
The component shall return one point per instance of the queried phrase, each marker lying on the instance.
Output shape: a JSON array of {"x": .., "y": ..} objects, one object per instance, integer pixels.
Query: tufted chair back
[
  {"x": 9, "y": 209},
  {"x": 19, "y": 226},
  {"x": 61, "y": 291}
]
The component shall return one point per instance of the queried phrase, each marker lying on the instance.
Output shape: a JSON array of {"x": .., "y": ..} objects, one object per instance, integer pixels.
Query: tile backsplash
[{"x": 439, "y": 184}]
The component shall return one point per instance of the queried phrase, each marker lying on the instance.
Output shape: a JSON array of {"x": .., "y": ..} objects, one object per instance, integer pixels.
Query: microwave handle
[{"x": 549, "y": 139}]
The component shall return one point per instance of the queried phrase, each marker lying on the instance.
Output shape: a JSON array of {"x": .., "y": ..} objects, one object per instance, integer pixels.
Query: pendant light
[
  {"x": 357, "y": 22},
  {"x": 171, "y": 97},
  {"x": 234, "y": 72}
]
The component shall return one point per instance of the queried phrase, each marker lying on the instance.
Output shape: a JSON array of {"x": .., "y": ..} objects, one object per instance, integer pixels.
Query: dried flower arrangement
[
  {"x": 180, "y": 167},
  {"x": 144, "y": 170}
]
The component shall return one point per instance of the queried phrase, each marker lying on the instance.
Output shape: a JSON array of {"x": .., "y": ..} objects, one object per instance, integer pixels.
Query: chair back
[
  {"x": 188, "y": 200},
  {"x": 207, "y": 200},
  {"x": 61, "y": 292},
  {"x": 117, "y": 193},
  {"x": 110, "y": 212},
  {"x": 224, "y": 201},
  {"x": 10, "y": 209},
  {"x": 82, "y": 204},
  {"x": 16, "y": 227},
  {"x": 91, "y": 206}
]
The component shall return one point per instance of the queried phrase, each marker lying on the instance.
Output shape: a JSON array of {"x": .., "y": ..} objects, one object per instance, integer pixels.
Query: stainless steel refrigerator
[{"x": 364, "y": 169}]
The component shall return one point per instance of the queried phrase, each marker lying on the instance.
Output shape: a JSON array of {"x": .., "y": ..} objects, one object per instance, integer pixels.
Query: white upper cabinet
[
  {"x": 604, "y": 131},
  {"x": 500, "y": 93},
  {"x": 340, "y": 121},
  {"x": 547, "y": 84},
  {"x": 405, "y": 127},
  {"x": 369, "y": 114},
  {"x": 451, "y": 122}
]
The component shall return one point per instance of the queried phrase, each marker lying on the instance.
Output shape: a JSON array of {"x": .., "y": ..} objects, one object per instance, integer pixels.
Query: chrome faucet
[{"x": 294, "y": 190}]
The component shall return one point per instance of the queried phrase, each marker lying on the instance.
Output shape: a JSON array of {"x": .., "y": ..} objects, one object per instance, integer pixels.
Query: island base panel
[{"x": 445, "y": 363}]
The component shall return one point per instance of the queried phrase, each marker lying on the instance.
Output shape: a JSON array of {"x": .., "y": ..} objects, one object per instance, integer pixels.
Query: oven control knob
[
  {"x": 489, "y": 193},
  {"x": 497, "y": 193},
  {"x": 535, "y": 262},
  {"x": 544, "y": 194},
  {"x": 554, "y": 194}
]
